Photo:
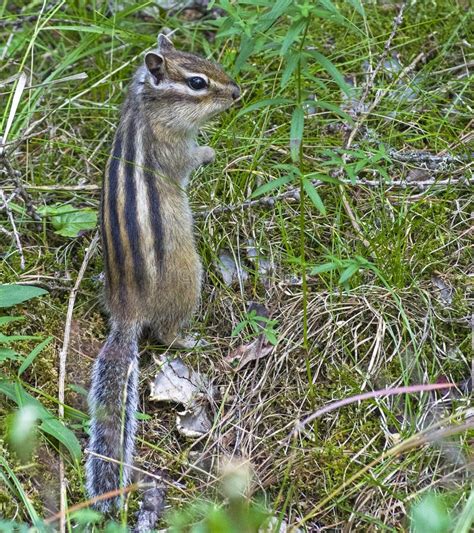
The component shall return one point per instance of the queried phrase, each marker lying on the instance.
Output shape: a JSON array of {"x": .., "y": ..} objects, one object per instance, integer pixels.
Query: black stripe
[
  {"x": 113, "y": 192},
  {"x": 131, "y": 215},
  {"x": 103, "y": 235},
  {"x": 154, "y": 207}
]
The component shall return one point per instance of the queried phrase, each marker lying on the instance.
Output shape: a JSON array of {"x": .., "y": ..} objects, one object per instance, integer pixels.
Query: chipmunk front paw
[{"x": 207, "y": 155}]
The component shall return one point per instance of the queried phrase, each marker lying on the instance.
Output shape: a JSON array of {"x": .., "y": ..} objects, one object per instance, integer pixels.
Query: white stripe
[{"x": 143, "y": 208}]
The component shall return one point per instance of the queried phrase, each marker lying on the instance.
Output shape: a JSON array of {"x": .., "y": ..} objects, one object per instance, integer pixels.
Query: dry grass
[{"x": 359, "y": 468}]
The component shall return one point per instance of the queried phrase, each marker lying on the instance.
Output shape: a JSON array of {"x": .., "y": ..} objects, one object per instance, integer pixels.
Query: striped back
[{"x": 131, "y": 224}]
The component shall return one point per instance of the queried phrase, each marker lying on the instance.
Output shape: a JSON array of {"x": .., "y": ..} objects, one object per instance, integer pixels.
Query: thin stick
[
  {"x": 20, "y": 188},
  {"x": 162, "y": 479},
  {"x": 57, "y": 188},
  {"x": 292, "y": 194},
  {"x": 368, "y": 395},
  {"x": 370, "y": 82},
  {"x": 117, "y": 492},
  {"x": 15, "y": 231},
  {"x": 62, "y": 370}
]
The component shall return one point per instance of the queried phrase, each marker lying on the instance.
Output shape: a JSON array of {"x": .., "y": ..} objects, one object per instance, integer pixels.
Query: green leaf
[
  {"x": 102, "y": 30},
  {"x": 8, "y": 339},
  {"x": 331, "y": 107},
  {"x": 332, "y": 70},
  {"x": 86, "y": 516},
  {"x": 27, "y": 505},
  {"x": 296, "y": 133},
  {"x": 325, "y": 267},
  {"x": 271, "y": 185},
  {"x": 50, "y": 424},
  {"x": 290, "y": 67},
  {"x": 322, "y": 177},
  {"x": 238, "y": 328},
  {"x": 247, "y": 46},
  {"x": 313, "y": 195},
  {"x": 348, "y": 273},
  {"x": 65, "y": 436},
  {"x": 292, "y": 34},
  {"x": 142, "y": 416},
  {"x": 8, "y": 319},
  {"x": 78, "y": 389},
  {"x": 68, "y": 220},
  {"x": 7, "y": 353},
  {"x": 271, "y": 336},
  {"x": 357, "y": 5},
  {"x": 279, "y": 7},
  {"x": 264, "y": 103},
  {"x": 13, "y": 294},
  {"x": 430, "y": 515},
  {"x": 465, "y": 519},
  {"x": 33, "y": 354}
]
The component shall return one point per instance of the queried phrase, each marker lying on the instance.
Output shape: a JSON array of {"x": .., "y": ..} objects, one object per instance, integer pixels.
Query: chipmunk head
[{"x": 183, "y": 90}]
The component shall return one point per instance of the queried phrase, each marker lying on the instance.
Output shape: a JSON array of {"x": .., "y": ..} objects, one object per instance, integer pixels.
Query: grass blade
[
  {"x": 33, "y": 354},
  {"x": 296, "y": 133},
  {"x": 313, "y": 195},
  {"x": 20, "y": 87},
  {"x": 333, "y": 71},
  {"x": 21, "y": 493}
]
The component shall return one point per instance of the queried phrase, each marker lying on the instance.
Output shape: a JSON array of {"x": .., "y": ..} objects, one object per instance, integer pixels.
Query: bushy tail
[{"x": 113, "y": 401}]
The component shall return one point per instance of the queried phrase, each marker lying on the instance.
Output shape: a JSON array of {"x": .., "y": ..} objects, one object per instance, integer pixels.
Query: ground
[{"x": 361, "y": 256}]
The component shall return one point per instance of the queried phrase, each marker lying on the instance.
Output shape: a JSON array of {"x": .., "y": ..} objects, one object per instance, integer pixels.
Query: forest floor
[{"x": 360, "y": 261}]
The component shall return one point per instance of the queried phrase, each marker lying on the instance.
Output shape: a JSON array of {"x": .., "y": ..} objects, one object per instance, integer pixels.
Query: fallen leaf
[
  {"x": 256, "y": 257},
  {"x": 193, "y": 422},
  {"x": 445, "y": 291},
  {"x": 176, "y": 383},
  {"x": 245, "y": 353},
  {"x": 229, "y": 269}
]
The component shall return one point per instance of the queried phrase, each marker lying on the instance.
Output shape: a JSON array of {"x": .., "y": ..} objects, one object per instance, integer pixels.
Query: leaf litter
[{"x": 176, "y": 383}]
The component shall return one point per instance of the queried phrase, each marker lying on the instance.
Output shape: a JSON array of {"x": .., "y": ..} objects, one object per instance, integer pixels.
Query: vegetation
[{"x": 341, "y": 202}]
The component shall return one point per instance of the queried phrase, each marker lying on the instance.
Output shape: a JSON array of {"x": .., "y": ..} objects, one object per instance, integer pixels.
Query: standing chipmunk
[{"x": 152, "y": 269}]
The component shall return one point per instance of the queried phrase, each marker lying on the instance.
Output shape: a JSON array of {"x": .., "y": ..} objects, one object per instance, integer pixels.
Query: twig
[
  {"x": 432, "y": 160},
  {"x": 58, "y": 188},
  {"x": 62, "y": 370},
  {"x": 117, "y": 492},
  {"x": 419, "y": 439},
  {"x": 155, "y": 477},
  {"x": 6, "y": 232},
  {"x": 20, "y": 188},
  {"x": 368, "y": 395},
  {"x": 15, "y": 231},
  {"x": 370, "y": 82},
  {"x": 292, "y": 194}
]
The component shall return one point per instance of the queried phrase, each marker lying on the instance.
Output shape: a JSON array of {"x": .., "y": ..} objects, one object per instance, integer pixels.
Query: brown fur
[{"x": 152, "y": 269}]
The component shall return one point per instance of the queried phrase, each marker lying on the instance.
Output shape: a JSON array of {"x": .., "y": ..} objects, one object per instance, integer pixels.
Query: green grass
[{"x": 386, "y": 324}]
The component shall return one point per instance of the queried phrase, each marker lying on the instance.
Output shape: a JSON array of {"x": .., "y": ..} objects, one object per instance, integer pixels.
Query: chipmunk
[{"x": 152, "y": 269}]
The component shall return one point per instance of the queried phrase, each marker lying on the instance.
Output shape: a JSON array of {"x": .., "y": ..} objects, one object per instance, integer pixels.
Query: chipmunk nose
[{"x": 235, "y": 91}]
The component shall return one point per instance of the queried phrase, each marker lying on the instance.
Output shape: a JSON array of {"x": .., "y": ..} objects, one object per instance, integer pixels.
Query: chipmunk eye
[{"x": 196, "y": 83}]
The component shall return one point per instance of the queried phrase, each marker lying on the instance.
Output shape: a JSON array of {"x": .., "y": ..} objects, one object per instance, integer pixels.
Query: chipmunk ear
[
  {"x": 164, "y": 43},
  {"x": 155, "y": 64}
]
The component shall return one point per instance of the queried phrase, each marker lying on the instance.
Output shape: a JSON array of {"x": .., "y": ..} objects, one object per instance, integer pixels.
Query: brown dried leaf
[{"x": 245, "y": 353}]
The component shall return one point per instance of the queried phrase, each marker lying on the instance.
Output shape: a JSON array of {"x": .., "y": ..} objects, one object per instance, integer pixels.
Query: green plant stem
[{"x": 304, "y": 281}]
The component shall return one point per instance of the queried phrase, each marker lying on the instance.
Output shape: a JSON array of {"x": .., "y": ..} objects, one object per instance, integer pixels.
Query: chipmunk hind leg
[{"x": 169, "y": 330}]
